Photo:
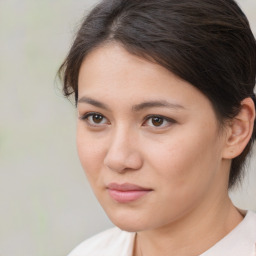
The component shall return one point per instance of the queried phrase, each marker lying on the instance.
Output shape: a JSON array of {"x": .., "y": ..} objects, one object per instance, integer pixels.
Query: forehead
[
  {"x": 112, "y": 62},
  {"x": 110, "y": 73}
]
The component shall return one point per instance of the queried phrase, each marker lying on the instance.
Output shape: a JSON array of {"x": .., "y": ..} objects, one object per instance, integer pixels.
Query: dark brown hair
[{"x": 208, "y": 43}]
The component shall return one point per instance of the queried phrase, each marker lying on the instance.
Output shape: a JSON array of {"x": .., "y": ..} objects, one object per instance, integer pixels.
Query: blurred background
[{"x": 47, "y": 207}]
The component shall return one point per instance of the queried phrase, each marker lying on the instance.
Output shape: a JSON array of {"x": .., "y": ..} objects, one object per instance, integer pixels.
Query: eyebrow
[
  {"x": 135, "y": 108},
  {"x": 156, "y": 103},
  {"x": 93, "y": 102}
]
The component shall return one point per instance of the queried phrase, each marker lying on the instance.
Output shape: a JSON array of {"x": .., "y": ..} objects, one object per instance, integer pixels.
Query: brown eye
[
  {"x": 97, "y": 119},
  {"x": 157, "y": 121}
]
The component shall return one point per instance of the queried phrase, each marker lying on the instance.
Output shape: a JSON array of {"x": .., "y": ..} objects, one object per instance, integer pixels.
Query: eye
[
  {"x": 94, "y": 119},
  {"x": 158, "y": 121}
]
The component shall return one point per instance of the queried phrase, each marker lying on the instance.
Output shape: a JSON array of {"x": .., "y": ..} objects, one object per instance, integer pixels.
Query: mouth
[{"x": 126, "y": 192}]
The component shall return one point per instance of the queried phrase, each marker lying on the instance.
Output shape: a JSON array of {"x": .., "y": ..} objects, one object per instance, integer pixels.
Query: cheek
[
  {"x": 184, "y": 162},
  {"x": 182, "y": 171},
  {"x": 90, "y": 151}
]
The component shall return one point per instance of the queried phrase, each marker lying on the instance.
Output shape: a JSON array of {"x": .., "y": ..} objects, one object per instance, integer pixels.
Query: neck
[{"x": 193, "y": 234}]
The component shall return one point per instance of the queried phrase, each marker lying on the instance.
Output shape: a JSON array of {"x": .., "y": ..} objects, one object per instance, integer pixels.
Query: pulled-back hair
[{"x": 207, "y": 43}]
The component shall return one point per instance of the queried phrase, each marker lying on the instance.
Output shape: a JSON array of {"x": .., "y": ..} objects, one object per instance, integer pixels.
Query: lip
[{"x": 126, "y": 192}]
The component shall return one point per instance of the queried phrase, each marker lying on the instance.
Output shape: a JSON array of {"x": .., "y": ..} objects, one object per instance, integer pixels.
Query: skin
[{"x": 185, "y": 161}]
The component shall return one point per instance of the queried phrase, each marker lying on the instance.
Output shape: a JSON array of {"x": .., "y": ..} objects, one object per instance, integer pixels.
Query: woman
[{"x": 166, "y": 119}]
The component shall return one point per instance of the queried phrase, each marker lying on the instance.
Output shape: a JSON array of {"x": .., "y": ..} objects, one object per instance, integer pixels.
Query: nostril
[
  {"x": 123, "y": 152},
  {"x": 123, "y": 161}
]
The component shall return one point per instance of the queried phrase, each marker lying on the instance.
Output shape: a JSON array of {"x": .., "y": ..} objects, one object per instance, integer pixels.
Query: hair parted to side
[{"x": 208, "y": 43}]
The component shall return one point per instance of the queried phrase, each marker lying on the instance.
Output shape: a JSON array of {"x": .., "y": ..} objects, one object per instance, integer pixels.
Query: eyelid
[
  {"x": 168, "y": 119},
  {"x": 87, "y": 114},
  {"x": 85, "y": 117}
]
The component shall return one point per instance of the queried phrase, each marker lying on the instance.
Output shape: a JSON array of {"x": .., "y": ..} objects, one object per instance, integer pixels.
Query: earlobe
[{"x": 240, "y": 130}]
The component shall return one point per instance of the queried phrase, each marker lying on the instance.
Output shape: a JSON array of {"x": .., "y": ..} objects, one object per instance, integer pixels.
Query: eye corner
[
  {"x": 160, "y": 122},
  {"x": 99, "y": 122}
]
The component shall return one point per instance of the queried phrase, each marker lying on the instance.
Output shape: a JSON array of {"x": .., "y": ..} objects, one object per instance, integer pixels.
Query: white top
[{"x": 241, "y": 241}]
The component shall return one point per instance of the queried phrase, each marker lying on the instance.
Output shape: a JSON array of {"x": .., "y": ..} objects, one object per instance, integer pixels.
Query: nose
[{"x": 123, "y": 153}]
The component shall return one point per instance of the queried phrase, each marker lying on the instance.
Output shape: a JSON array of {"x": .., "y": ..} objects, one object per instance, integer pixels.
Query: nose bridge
[
  {"x": 121, "y": 137},
  {"x": 123, "y": 152}
]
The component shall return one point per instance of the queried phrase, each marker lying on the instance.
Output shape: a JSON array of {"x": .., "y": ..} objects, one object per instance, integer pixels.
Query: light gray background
[{"x": 46, "y": 204}]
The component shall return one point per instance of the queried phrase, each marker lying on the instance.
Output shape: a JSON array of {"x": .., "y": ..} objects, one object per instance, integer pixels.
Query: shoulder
[
  {"x": 240, "y": 241},
  {"x": 110, "y": 242},
  {"x": 250, "y": 224}
]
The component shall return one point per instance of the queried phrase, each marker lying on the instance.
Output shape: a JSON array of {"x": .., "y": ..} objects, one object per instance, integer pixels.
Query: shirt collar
[{"x": 240, "y": 241}]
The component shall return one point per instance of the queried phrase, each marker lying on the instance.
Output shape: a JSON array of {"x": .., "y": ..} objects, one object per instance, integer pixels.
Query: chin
[
  {"x": 129, "y": 220},
  {"x": 129, "y": 226}
]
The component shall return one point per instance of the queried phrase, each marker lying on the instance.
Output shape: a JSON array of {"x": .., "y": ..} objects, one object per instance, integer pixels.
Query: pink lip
[{"x": 124, "y": 193}]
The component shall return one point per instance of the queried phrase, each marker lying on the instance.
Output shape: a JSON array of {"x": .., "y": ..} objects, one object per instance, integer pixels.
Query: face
[{"x": 148, "y": 141}]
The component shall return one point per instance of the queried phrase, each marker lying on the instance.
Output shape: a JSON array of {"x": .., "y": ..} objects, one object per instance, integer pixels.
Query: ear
[{"x": 239, "y": 130}]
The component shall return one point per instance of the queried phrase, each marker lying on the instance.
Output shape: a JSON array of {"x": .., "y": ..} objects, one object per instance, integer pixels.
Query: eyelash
[
  {"x": 91, "y": 114},
  {"x": 169, "y": 121}
]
